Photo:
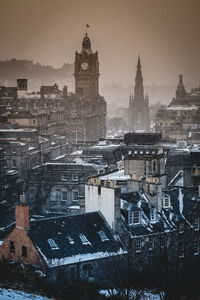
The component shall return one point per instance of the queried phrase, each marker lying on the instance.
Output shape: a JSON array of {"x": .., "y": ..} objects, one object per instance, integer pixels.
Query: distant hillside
[{"x": 36, "y": 73}]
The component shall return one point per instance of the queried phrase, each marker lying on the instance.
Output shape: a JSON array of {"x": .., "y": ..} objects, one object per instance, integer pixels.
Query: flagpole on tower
[{"x": 86, "y": 27}]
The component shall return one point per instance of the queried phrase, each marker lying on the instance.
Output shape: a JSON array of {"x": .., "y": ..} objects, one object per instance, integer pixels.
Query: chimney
[{"x": 22, "y": 213}]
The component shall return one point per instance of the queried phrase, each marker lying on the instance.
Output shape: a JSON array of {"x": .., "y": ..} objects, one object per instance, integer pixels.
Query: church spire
[
  {"x": 180, "y": 91},
  {"x": 139, "y": 63},
  {"x": 139, "y": 89}
]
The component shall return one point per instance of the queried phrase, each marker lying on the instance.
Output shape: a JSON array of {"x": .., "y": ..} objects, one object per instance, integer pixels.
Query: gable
[{"x": 19, "y": 247}]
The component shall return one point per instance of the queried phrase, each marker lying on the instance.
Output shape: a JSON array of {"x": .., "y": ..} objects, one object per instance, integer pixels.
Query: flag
[{"x": 87, "y": 26}]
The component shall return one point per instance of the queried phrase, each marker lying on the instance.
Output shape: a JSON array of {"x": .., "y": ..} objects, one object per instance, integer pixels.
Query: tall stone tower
[
  {"x": 86, "y": 109},
  {"x": 86, "y": 71},
  {"x": 139, "y": 119}
]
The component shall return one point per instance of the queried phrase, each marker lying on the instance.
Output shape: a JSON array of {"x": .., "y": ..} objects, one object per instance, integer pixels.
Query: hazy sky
[{"x": 166, "y": 34}]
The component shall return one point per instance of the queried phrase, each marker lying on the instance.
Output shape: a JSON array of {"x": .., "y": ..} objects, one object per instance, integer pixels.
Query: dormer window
[
  {"x": 153, "y": 214},
  {"x": 166, "y": 202},
  {"x": 134, "y": 218}
]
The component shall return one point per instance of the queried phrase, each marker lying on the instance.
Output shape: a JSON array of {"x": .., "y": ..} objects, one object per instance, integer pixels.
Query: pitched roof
[
  {"x": 183, "y": 200},
  {"x": 71, "y": 239}
]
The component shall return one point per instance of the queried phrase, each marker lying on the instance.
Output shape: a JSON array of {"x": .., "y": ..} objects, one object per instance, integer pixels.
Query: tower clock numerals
[{"x": 84, "y": 66}]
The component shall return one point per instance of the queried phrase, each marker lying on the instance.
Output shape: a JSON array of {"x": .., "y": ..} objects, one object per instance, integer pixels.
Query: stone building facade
[
  {"x": 181, "y": 118},
  {"x": 58, "y": 187},
  {"x": 80, "y": 116}
]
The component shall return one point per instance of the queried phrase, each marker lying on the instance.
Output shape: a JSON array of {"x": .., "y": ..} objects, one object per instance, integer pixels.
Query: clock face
[{"x": 84, "y": 66}]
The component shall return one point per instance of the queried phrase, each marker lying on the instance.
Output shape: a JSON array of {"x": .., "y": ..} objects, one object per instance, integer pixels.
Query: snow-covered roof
[
  {"x": 59, "y": 239},
  {"x": 7, "y": 294},
  {"x": 192, "y": 107},
  {"x": 118, "y": 175}
]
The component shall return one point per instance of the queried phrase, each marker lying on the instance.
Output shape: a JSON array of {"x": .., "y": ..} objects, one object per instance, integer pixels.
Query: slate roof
[
  {"x": 185, "y": 197},
  {"x": 137, "y": 201},
  {"x": 65, "y": 232}
]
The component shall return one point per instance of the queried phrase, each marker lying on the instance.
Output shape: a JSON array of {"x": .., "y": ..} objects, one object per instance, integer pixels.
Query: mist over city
[{"x": 99, "y": 149}]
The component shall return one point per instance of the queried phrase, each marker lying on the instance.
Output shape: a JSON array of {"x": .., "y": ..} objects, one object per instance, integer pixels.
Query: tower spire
[
  {"x": 139, "y": 89},
  {"x": 138, "y": 63},
  {"x": 180, "y": 91}
]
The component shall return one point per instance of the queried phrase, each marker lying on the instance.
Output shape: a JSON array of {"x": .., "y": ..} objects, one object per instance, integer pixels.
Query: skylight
[
  {"x": 84, "y": 240},
  {"x": 103, "y": 236},
  {"x": 52, "y": 244}
]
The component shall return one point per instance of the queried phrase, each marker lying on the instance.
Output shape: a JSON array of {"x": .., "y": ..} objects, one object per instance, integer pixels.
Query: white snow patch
[
  {"x": 54, "y": 262},
  {"x": 18, "y": 295},
  {"x": 118, "y": 175}
]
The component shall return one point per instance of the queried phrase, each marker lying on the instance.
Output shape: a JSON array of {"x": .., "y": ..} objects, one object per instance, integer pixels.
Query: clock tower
[{"x": 86, "y": 71}]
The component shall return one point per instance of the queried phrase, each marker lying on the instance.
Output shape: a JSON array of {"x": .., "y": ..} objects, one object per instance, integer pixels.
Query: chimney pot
[{"x": 22, "y": 199}]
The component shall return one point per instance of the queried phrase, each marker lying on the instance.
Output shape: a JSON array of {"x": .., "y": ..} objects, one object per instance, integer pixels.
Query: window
[
  {"x": 12, "y": 246},
  {"x": 99, "y": 190},
  {"x": 181, "y": 228},
  {"x": 134, "y": 218},
  {"x": 87, "y": 270},
  {"x": 84, "y": 240},
  {"x": 196, "y": 224},
  {"x": 166, "y": 202},
  {"x": 24, "y": 251},
  {"x": 163, "y": 241},
  {"x": 75, "y": 195},
  {"x": 154, "y": 166},
  {"x": 151, "y": 242},
  {"x": 181, "y": 251},
  {"x": 103, "y": 236},
  {"x": 153, "y": 214},
  {"x": 52, "y": 244},
  {"x": 72, "y": 272},
  {"x": 63, "y": 177},
  {"x": 196, "y": 247},
  {"x": 74, "y": 177},
  {"x": 138, "y": 245},
  {"x": 64, "y": 195},
  {"x": 14, "y": 163},
  {"x": 55, "y": 194}
]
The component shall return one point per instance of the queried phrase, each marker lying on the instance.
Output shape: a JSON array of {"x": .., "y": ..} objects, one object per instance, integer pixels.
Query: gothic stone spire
[
  {"x": 139, "y": 89},
  {"x": 180, "y": 91}
]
